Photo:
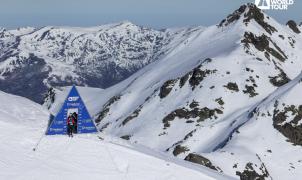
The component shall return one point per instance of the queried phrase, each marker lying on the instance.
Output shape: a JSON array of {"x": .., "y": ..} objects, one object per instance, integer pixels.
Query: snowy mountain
[
  {"x": 32, "y": 60},
  {"x": 227, "y": 98},
  {"x": 22, "y": 122}
]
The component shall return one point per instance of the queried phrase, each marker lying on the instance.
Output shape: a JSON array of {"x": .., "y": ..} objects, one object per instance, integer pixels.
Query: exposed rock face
[
  {"x": 166, "y": 88},
  {"x": 262, "y": 44},
  {"x": 198, "y": 159},
  {"x": 126, "y": 137},
  {"x": 190, "y": 134},
  {"x": 198, "y": 75},
  {"x": 106, "y": 108},
  {"x": 293, "y": 26},
  {"x": 220, "y": 101},
  {"x": 232, "y": 86},
  {"x": 256, "y": 14},
  {"x": 180, "y": 149},
  {"x": 49, "y": 98},
  {"x": 183, "y": 80},
  {"x": 292, "y": 129},
  {"x": 195, "y": 77},
  {"x": 250, "y": 90},
  {"x": 250, "y": 12},
  {"x": 251, "y": 85},
  {"x": 250, "y": 173},
  {"x": 132, "y": 116},
  {"x": 195, "y": 112},
  {"x": 233, "y": 17},
  {"x": 279, "y": 80}
]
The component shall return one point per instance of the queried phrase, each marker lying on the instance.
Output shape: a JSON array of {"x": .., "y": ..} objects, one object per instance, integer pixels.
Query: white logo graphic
[
  {"x": 263, "y": 4},
  {"x": 75, "y": 98},
  {"x": 274, "y": 4}
]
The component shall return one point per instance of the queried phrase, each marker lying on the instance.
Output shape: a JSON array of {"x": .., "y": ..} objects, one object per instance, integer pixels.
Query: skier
[
  {"x": 70, "y": 125},
  {"x": 75, "y": 117}
]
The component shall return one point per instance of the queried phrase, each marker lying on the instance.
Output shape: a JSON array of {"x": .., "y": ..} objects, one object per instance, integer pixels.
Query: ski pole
[{"x": 37, "y": 144}]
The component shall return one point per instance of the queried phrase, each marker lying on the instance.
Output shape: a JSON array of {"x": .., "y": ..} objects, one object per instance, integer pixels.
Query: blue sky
[{"x": 150, "y": 13}]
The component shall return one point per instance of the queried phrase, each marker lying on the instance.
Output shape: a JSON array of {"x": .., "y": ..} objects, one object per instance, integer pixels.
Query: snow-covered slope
[
  {"x": 190, "y": 102},
  {"x": 96, "y": 57},
  {"x": 268, "y": 143},
  {"x": 22, "y": 123},
  {"x": 225, "y": 96}
]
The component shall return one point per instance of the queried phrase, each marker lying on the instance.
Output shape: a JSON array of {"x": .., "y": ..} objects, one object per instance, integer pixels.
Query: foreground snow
[{"x": 85, "y": 156}]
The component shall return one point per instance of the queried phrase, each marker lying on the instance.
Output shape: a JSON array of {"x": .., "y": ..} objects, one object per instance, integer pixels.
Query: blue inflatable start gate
[{"x": 73, "y": 105}]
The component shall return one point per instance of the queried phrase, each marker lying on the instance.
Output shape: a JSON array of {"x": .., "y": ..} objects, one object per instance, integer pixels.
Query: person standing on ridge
[{"x": 70, "y": 125}]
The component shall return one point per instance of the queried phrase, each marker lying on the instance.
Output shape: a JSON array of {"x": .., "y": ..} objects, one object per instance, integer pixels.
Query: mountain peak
[
  {"x": 249, "y": 12},
  {"x": 233, "y": 17},
  {"x": 254, "y": 13},
  {"x": 127, "y": 23}
]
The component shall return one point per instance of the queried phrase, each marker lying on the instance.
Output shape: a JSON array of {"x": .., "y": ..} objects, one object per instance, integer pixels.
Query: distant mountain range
[{"x": 32, "y": 60}]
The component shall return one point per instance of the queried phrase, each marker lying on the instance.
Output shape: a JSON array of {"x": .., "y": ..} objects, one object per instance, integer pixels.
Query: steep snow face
[
  {"x": 268, "y": 145},
  {"x": 22, "y": 122},
  {"x": 187, "y": 102},
  {"x": 61, "y": 56}
]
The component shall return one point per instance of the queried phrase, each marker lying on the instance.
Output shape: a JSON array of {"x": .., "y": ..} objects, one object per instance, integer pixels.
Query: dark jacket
[{"x": 70, "y": 120}]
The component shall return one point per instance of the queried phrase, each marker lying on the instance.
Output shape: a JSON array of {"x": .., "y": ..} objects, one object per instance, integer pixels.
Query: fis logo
[{"x": 74, "y": 98}]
